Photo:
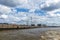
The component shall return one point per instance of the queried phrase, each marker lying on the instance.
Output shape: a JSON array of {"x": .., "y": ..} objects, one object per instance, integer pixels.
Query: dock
[{"x": 15, "y": 26}]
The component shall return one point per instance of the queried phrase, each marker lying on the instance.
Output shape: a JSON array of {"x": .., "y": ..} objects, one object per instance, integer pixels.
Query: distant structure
[
  {"x": 38, "y": 24},
  {"x": 6, "y": 25},
  {"x": 32, "y": 24}
]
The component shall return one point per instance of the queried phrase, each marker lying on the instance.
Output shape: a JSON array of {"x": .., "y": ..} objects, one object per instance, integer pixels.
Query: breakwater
[{"x": 15, "y": 26}]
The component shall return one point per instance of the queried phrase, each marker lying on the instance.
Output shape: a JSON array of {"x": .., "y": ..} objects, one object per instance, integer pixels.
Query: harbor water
[{"x": 23, "y": 34}]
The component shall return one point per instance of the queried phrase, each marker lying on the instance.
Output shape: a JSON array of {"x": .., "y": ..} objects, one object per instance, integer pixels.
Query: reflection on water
[{"x": 24, "y": 34}]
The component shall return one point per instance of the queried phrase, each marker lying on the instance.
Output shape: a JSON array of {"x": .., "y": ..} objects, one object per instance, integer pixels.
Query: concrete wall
[
  {"x": 8, "y": 26},
  {"x": 18, "y": 26},
  {"x": 11, "y": 26},
  {"x": 1, "y": 25}
]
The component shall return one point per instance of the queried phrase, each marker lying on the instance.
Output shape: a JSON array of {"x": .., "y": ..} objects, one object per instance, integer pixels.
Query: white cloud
[
  {"x": 11, "y": 16},
  {"x": 4, "y": 9},
  {"x": 12, "y": 3},
  {"x": 54, "y": 13},
  {"x": 4, "y": 16},
  {"x": 50, "y": 5}
]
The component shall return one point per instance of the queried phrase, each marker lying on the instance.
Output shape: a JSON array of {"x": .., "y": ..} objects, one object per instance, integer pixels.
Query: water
[{"x": 23, "y": 34}]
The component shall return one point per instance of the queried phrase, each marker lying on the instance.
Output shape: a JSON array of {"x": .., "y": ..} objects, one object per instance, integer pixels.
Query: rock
[{"x": 50, "y": 35}]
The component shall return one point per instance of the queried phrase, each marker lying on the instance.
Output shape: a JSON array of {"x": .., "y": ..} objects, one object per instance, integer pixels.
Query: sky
[{"x": 30, "y": 11}]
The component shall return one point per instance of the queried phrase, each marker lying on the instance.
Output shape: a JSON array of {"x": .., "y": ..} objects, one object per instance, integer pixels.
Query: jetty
[{"x": 16, "y": 26}]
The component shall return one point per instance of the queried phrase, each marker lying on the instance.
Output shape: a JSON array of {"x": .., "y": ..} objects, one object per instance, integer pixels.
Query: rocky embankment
[{"x": 50, "y": 35}]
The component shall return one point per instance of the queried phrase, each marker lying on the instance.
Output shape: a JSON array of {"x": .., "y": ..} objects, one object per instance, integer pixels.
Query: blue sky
[{"x": 21, "y": 11}]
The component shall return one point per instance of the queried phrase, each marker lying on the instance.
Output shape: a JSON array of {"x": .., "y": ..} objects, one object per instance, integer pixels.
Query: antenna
[
  {"x": 31, "y": 20},
  {"x": 27, "y": 18}
]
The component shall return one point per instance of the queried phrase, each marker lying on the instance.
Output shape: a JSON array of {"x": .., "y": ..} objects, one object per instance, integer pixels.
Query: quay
[{"x": 7, "y": 26}]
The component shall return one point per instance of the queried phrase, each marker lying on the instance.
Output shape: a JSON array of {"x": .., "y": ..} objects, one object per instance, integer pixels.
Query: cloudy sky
[{"x": 30, "y": 11}]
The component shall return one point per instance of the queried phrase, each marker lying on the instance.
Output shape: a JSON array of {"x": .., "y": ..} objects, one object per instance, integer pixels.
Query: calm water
[{"x": 24, "y": 34}]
